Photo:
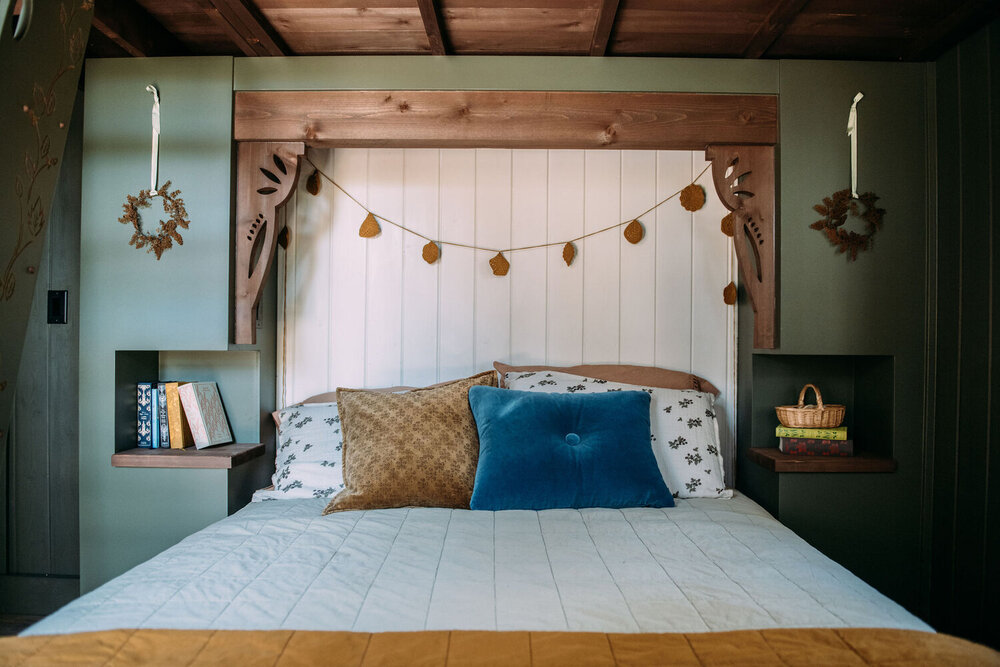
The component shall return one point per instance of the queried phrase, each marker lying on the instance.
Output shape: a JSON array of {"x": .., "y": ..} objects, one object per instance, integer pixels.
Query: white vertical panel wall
[{"x": 370, "y": 312}]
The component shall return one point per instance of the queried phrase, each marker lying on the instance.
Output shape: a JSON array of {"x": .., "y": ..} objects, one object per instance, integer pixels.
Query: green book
[{"x": 839, "y": 433}]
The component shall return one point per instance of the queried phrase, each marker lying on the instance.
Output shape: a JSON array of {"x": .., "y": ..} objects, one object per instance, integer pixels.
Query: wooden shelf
[
  {"x": 220, "y": 456},
  {"x": 773, "y": 460}
]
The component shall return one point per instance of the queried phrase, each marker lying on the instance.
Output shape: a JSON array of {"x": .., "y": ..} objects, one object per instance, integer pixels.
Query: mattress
[{"x": 705, "y": 565}]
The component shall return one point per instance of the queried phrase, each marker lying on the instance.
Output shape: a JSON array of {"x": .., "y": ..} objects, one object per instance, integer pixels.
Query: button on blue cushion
[{"x": 543, "y": 451}]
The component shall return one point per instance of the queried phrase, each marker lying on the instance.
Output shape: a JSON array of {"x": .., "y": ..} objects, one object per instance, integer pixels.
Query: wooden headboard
[{"x": 738, "y": 132}]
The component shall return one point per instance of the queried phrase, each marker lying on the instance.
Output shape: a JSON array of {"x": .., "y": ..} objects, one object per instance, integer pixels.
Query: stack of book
[
  {"x": 814, "y": 441},
  {"x": 175, "y": 415}
]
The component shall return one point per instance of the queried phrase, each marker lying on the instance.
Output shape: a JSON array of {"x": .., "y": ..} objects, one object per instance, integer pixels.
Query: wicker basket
[{"x": 810, "y": 416}]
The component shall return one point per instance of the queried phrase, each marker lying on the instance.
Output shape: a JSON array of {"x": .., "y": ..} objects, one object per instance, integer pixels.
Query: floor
[{"x": 11, "y": 624}]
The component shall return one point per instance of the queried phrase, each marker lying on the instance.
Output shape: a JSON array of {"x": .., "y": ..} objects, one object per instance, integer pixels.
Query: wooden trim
[
  {"x": 249, "y": 28},
  {"x": 739, "y": 131},
  {"x": 505, "y": 119},
  {"x": 605, "y": 23},
  {"x": 266, "y": 174},
  {"x": 432, "y": 26},
  {"x": 772, "y": 27},
  {"x": 219, "y": 457},
  {"x": 745, "y": 182},
  {"x": 129, "y": 26},
  {"x": 772, "y": 459}
]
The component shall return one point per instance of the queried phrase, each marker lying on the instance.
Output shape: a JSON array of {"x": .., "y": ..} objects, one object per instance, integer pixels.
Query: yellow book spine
[
  {"x": 180, "y": 432},
  {"x": 839, "y": 433}
]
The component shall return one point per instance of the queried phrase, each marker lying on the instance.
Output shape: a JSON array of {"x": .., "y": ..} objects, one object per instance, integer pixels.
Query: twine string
[{"x": 652, "y": 208}]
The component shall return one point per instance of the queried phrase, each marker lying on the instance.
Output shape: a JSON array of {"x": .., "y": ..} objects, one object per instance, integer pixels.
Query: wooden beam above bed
[{"x": 506, "y": 119}]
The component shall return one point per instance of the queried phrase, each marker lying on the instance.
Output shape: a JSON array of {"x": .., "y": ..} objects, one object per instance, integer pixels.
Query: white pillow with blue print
[
  {"x": 685, "y": 431},
  {"x": 309, "y": 460}
]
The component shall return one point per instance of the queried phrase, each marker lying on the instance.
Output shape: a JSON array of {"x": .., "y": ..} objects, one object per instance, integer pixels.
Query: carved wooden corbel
[
  {"x": 744, "y": 180},
  {"x": 266, "y": 175}
]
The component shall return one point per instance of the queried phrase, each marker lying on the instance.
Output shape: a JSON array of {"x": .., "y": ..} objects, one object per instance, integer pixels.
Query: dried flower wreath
[
  {"x": 835, "y": 210},
  {"x": 172, "y": 204}
]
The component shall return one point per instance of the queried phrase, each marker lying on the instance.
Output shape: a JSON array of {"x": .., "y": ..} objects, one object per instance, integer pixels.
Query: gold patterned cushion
[{"x": 414, "y": 449}]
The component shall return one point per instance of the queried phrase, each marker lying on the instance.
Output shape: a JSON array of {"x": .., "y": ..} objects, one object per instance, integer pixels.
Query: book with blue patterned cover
[
  {"x": 154, "y": 412},
  {"x": 144, "y": 398},
  {"x": 161, "y": 402}
]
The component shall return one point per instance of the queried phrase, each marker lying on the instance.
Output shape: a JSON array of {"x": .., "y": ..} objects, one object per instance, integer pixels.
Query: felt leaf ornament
[
  {"x": 634, "y": 232},
  {"x": 569, "y": 252},
  {"x": 499, "y": 264},
  {"x": 729, "y": 294},
  {"x": 693, "y": 197},
  {"x": 312, "y": 183},
  {"x": 727, "y": 225},
  {"x": 369, "y": 227},
  {"x": 431, "y": 252}
]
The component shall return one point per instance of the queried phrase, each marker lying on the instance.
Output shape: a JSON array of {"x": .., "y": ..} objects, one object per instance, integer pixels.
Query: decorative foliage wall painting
[
  {"x": 173, "y": 205},
  {"x": 845, "y": 204}
]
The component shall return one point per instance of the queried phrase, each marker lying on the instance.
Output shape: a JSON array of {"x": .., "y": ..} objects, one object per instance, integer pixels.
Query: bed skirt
[{"x": 801, "y": 646}]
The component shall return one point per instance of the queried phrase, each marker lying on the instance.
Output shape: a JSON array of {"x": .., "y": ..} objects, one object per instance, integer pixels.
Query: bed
[{"x": 708, "y": 580}]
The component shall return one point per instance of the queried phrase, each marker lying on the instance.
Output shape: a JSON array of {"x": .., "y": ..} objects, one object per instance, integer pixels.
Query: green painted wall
[
  {"x": 964, "y": 478},
  {"x": 131, "y": 301},
  {"x": 872, "y": 523},
  {"x": 877, "y": 306}
]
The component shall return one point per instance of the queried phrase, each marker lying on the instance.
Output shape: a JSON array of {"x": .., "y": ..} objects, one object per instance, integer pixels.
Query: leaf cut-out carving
[
  {"x": 266, "y": 191},
  {"x": 270, "y": 175},
  {"x": 312, "y": 183},
  {"x": 280, "y": 164},
  {"x": 569, "y": 253},
  {"x": 500, "y": 265},
  {"x": 634, "y": 232},
  {"x": 431, "y": 252},
  {"x": 369, "y": 227}
]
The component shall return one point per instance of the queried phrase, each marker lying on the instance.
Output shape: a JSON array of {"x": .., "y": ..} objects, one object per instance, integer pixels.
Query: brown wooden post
[
  {"x": 745, "y": 181},
  {"x": 266, "y": 175}
]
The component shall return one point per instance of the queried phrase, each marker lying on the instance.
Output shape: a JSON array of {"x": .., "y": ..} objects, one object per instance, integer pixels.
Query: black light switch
[{"x": 58, "y": 306}]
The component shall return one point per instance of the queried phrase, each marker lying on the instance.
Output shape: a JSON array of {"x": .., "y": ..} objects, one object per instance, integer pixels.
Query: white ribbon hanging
[
  {"x": 156, "y": 136},
  {"x": 852, "y": 131}
]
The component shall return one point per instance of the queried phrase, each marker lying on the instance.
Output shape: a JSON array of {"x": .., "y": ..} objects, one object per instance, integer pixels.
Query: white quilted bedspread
[{"x": 708, "y": 564}]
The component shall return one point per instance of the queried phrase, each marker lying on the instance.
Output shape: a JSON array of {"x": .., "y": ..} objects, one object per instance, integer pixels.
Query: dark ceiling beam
[
  {"x": 606, "y": 14},
  {"x": 432, "y": 26},
  {"x": 960, "y": 22},
  {"x": 247, "y": 28},
  {"x": 129, "y": 26},
  {"x": 772, "y": 27}
]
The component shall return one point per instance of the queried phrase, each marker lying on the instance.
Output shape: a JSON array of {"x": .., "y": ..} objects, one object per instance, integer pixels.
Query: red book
[{"x": 813, "y": 447}]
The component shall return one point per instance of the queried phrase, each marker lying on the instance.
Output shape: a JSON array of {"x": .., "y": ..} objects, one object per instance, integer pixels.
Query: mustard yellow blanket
[{"x": 809, "y": 647}]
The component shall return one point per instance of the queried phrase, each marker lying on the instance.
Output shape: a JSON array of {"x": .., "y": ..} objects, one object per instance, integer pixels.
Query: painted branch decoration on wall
[
  {"x": 692, "y": 198},
  {"x": 173, "y": 205},
  {"x": 844, "y": 204}
]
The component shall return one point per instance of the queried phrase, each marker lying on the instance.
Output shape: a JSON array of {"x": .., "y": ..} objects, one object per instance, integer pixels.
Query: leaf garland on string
[{"x": 692, "y": 198}]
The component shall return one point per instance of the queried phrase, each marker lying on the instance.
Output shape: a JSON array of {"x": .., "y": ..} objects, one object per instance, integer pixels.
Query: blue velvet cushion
[{"x": 542, "y": 451}]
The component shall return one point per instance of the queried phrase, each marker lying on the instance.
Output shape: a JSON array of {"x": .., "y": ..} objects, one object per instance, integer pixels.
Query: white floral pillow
[
  {"x": 685, "y": 435},
  {"x": 308, "y": 463}
]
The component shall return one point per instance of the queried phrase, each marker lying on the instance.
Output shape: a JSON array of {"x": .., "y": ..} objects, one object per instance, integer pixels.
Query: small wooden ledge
[
  {"x": 220, "y": 456},
  {"x": 772, "y": 459}
]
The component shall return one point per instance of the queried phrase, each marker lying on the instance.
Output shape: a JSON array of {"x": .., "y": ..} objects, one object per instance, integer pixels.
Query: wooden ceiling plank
[
  {"x": 941, "y": 35},
  {"x": 772, "y": 27},
  {"x": 252, "y": 27},
  {"x": 234, "y": 35},
  {"x": 606, "y": 14},
  {"x": 432, "y": 26},
  {"x": 129, "y": 26}
]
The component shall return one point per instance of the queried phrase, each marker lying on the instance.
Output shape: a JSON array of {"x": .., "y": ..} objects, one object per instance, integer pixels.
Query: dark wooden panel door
[{"x": 40, "y": 563}]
